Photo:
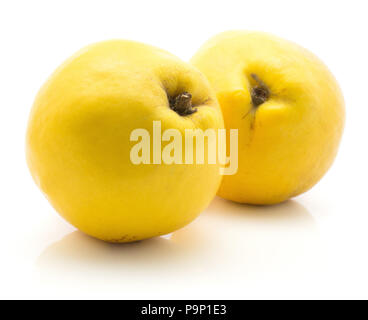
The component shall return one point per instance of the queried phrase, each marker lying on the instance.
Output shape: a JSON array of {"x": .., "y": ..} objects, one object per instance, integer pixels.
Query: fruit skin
[
  {"x": 288, "y": 143},
  {"x": 78, "y": 141}
]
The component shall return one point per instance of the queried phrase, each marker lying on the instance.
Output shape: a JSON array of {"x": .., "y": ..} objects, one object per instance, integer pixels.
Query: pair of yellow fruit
[{"x": 286, "y": 105}]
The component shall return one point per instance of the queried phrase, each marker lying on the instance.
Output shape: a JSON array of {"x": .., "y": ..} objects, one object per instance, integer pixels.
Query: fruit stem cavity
[
  {"x": 182, "y": 104},
  {"x": 260, "y": 93}
]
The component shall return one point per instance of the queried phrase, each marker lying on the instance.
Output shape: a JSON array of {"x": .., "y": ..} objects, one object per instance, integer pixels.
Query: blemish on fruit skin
[
  {"x": 207, "y": 101},
  {"x": 247, "y": 114},
  {"x": 124, "y": 239},
  {"x": 251, "y": 113}
]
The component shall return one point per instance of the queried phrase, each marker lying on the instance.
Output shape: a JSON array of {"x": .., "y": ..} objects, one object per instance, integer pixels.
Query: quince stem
[
  {"x": 182, "y": 104},
  {"x": 260, "y": 93}
]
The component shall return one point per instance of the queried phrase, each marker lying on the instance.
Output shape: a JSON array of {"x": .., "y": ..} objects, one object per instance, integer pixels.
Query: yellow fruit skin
[
  {"x": 78, "y": 141},
  {"x": 288, "y": 143}
]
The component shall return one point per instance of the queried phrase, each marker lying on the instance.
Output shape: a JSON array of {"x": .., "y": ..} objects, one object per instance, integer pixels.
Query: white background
[{"x": 314, "y": 246}]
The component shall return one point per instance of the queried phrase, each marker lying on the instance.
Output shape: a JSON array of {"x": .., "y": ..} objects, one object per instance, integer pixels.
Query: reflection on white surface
[{"x": 230, "y": 244}]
